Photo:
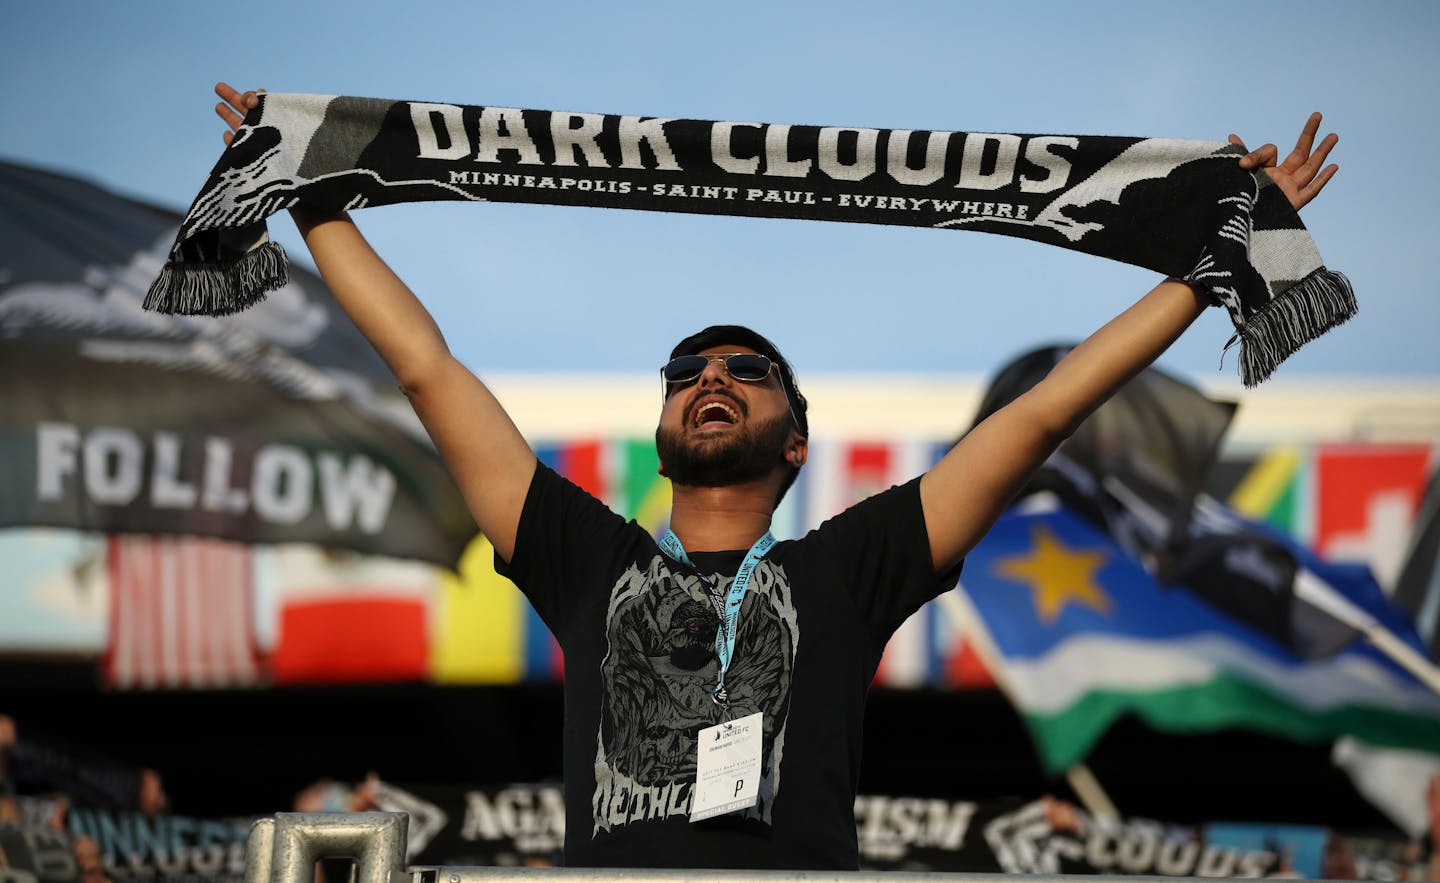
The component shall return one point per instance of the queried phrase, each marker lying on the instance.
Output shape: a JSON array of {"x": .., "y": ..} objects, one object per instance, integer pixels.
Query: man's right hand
[
  {"x": 489, "y": 459},
  {"x": 234, "y": 106}
]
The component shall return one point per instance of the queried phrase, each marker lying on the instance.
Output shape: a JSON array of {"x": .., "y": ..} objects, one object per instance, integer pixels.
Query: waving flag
[
  {"x": 1135, "y": 468},
  {"x": 1418, "y": 588},
  {"x": 1081, "y": 634},
  {"x": 279, "y": 427},
  {"x": 1137, "y": 463}
]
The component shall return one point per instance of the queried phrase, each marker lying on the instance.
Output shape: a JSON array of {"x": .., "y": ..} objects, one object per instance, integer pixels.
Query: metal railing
[{"x": 285, "y": 849}]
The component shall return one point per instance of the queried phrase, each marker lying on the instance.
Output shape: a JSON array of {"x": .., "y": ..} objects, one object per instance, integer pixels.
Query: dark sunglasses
[{"x": 749, "y": 367}]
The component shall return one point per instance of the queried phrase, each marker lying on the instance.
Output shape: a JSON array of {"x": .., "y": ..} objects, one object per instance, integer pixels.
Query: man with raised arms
[{"x": 715, "y": 679}]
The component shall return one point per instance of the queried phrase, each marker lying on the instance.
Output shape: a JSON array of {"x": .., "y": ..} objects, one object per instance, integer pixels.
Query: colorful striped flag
[
  {"x": 1351, "y": 502},
  {"x": 181, "y": 613},
  {"x": 1273, "y": 490},
  {"x": 1082, "y": 634},
  {"x": 646, "y": 494}
]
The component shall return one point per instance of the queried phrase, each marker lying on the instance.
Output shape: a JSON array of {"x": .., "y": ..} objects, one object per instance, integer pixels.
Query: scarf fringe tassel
[
  {"x": 1296, "y": 316},
  {"x": 218, "y": 289}
]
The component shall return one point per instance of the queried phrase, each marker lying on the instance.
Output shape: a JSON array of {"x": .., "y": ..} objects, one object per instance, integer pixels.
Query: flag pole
[
  {"x": 1387, "y": 642},
  {"x": 1087, "y": 788},
  {"x": 1310, "y": 588}
]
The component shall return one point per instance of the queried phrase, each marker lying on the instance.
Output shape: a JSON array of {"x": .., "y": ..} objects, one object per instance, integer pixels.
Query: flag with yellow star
[{"x": 1079, "y": 634}]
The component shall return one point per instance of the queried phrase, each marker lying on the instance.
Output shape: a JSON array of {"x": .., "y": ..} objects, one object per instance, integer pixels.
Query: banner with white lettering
[
  {"x": 1182, "y": 208},
  {"x": 523, "y": 824},
  {"x": 279, "y": 426},
  {"x": 125, "y": 846}
]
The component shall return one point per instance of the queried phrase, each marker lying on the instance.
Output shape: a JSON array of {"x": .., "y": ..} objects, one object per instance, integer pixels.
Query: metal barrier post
[{"x": 285, "y": 849}]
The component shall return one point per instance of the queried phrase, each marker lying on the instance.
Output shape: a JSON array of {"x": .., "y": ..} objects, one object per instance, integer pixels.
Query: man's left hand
[{"x": 1300, "y": 177}]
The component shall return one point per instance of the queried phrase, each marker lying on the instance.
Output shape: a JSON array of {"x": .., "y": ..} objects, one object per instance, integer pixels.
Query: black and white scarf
[{"x": 1182, "y": 208}]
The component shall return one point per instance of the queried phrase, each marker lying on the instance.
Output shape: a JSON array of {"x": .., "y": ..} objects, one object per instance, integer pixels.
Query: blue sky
[{"x": 121, "y": 93}]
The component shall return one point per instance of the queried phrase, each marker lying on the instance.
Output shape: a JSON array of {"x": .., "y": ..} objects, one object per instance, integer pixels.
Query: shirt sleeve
[
  {"x": 563, "y": 546},
  {"x": 879, "y": 553}
]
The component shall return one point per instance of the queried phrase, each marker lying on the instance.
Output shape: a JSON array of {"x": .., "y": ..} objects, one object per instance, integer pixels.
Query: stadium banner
[
  {"x": 281, "y": 426},
  {"x": 523, "y": 824}
]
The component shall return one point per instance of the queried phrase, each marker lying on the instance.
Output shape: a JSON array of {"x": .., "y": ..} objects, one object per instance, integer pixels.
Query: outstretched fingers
[
  {"x": 1303, "y": 173},
  {"x": 1306, "y": 163},
  {"x": 1311, "y": 163},
  {"x": 233, "y": 107},
  {"x": 1310, "y": 190}
]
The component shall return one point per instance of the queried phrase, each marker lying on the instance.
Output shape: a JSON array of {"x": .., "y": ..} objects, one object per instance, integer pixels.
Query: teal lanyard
[{"x": 730, "y": 613}]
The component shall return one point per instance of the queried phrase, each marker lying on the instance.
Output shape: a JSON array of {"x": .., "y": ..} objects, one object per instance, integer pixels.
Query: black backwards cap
[{"x": 723, "y": 335}]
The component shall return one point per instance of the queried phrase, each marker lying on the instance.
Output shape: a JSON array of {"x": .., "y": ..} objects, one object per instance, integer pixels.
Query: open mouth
[{"x": 715, "y": 414}]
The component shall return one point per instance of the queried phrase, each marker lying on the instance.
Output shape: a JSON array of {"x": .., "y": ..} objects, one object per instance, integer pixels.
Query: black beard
[{"x": 736, "y": 457}]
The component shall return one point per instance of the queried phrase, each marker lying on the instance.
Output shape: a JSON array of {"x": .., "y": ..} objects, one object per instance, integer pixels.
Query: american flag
[{"x": 181, "y": 613}]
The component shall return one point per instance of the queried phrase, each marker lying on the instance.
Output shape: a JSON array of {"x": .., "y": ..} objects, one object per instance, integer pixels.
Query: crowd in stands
[
  {"x": 69, "y": 776},
  {"x": 65, "y": 777}
]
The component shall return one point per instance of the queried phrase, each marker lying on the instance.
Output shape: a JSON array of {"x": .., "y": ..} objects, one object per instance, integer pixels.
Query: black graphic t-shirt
[{"x": 638, "y": 633}]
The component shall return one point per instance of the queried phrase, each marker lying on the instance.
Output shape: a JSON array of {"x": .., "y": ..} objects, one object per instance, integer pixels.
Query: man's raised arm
[
  {"x": 968, "y": 490},
  {"x": 487, "y": 456}
]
